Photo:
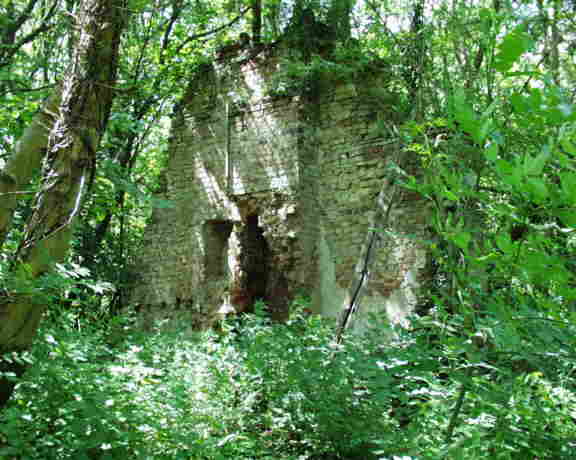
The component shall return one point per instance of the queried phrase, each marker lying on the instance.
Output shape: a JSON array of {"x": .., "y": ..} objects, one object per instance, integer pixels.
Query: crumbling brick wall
[{"x": 273, "y": 189}]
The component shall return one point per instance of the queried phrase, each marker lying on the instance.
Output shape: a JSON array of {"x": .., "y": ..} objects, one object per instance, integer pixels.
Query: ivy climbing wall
[{"x": 275, "y": 177}]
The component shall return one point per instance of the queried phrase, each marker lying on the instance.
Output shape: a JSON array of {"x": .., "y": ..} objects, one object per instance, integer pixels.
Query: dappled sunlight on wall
[{"x": 310, "y": 170}]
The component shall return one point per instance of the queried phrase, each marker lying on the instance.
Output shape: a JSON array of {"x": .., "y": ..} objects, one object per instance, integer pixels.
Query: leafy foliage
[
  {"x": 257, "y": 389},
  {"x": 233, "y": 394}
]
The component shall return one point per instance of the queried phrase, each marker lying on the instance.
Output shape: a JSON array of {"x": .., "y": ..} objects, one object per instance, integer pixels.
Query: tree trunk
[
  {"x": 339, "y": 18},
  {"x": 25, "y": 162},
  {"x": 415, "y": 57},
  {"x": 86, "y": 98},
  {"x": 256, "y": 22}
]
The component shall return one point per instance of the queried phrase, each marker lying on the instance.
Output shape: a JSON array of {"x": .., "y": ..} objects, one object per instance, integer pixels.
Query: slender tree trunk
[
  {"x": 86, "y": 98},
  {"x": 415, "y": 56},
  {"x": 256, "y": 21},
  {"x": 25, "y": 162}
]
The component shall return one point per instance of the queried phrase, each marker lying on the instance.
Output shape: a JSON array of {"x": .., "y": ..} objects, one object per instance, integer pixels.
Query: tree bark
[
  {"x": 256, "y": 22},
  {"x": 339, "y": 18},
  {"x": 415, "y": 57},
  {"x": 25, "y": 162},
  {"x": 86, "y": 97}
]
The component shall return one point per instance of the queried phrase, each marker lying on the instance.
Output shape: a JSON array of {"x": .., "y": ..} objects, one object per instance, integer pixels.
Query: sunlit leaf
[
  {"x": 514, "y": 45},
  {"x": 491, "y": 152}
]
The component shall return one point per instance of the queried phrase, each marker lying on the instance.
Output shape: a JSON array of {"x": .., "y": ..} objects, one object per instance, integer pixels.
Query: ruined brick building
[{"x": 274, "y": 173}]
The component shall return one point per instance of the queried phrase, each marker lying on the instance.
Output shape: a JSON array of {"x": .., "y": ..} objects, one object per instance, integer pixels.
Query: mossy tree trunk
[
  {"x": 77, "y": 117},
  {"x": 25, "y": 162}
]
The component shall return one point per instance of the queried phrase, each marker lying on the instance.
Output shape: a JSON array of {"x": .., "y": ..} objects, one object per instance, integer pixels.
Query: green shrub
[
  {"x": 255, "y": 390},
  {"x": 263, "y": 390}
]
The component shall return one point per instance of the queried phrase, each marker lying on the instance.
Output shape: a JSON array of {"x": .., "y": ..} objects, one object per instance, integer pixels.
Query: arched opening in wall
[
  {"x": 216, "y": 234},
  {"x": 254, "y": 261}
]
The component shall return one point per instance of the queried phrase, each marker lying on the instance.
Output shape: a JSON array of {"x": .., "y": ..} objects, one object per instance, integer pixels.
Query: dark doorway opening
[{"x": 254, "y": 263}]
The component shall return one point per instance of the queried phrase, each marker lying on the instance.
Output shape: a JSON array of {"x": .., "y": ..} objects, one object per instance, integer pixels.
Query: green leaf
[
  {"x": 450, "y": 195},
  {"x": 568, "y": 181},
  {"x": 510, "y": 174},
  {"x": 568, "y": 218},
  {"x": 464, "y": 113},
  {"x": 486, "y": 14},
  {"x": 568, "y": 146},
  {"x": 519, "y": 102},
  {"x": 483, "y": 130},
  {"x": 514, "y": 45},
  {"x": 462, "y": 240},
  {"x": 491, "y": 153},
  {"x": 503, "y": 242},
  {"x": 534, "y": 166},
  {"x": 537, "y": 188}
]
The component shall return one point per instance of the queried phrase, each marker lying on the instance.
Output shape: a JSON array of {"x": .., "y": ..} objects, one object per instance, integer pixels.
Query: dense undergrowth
[
  {"x": 487, "y": 370},
  {"x": 258, "y": 390}
]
